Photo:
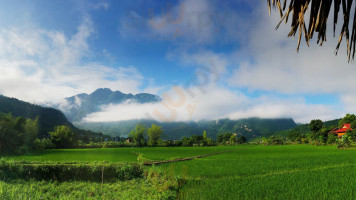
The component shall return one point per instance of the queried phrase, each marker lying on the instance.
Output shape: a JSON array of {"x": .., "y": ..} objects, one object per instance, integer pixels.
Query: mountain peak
[
  {"x": 82, "y": 104},
  {"x": 102, "y": 90}
]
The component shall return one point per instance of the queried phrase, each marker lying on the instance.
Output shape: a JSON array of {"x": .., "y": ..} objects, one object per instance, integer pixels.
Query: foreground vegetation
[
  {"x": 132, "y": 189},
  {"x": 242, "y": 172}
]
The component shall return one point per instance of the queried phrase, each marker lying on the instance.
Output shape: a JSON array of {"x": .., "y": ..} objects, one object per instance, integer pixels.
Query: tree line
[{"x": 319, "y": 134}]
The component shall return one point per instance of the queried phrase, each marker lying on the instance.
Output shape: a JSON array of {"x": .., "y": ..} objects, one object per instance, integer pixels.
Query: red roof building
[{"x": 342, "y": 130}]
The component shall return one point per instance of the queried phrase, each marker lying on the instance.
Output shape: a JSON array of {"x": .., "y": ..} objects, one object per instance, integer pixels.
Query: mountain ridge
[
  {"x": 251, "y": 127},
  {"x": 79, "y": 106}
]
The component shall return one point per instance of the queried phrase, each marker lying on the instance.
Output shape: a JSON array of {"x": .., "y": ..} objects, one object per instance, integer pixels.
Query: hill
[
  {"x": 48, "y": 118},
  {"x": 77, "y": 107},
  {"x": 304, "y": 129},
  {"x": 252, "y": 127}
]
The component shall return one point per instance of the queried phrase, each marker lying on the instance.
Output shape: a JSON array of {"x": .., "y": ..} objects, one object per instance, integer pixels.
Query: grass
[
  {"x": 271, "y": 172},
  {"x": 245, "y": 172},
  {"x": 134, "y": 189},
  {"x": 114, "y": 154}
]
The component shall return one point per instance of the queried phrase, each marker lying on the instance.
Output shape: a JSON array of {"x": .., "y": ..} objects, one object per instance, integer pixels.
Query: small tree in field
[
  {"x": 204, "y": 136},
  {"x": 138, "y": 135},
  {"x": 232, "y": 139},
  {"x": 63, "y": 137},
  {"x": 345, "y": 141},
  {"x": 315, "y": 125},
  {"x": 154, "y": 134},
  {"x": 242, "y": 139}
]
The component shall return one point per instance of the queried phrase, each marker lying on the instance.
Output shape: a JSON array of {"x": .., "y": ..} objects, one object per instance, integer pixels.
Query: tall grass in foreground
[{"x": 134, "y": 189}]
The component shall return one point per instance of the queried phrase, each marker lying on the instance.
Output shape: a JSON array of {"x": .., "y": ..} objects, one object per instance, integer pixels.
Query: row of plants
[
  {"x": 192, "y": 141},
  {"x": 60, "y": 171},
  {"x": 154, "y": 183}
]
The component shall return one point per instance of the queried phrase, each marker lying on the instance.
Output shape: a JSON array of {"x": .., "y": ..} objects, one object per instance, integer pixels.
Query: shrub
[
  {"x": 43, "y": 144},
  {"x": 332, "y": 139},
  {"x": 274, "y": 141},
  {"x": 70, "y": 171}
]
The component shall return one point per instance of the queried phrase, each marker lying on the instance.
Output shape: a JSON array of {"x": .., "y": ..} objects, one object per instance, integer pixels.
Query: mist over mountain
[{"x": 79, "y": 106}]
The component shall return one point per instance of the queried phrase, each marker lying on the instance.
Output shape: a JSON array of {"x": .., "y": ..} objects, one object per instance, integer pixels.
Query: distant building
[
  {"x": 128, "y": 140},
  {"x": 342, "y": 130}
]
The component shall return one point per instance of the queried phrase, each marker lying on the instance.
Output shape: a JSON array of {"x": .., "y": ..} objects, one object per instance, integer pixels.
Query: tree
[
  {"x": 232, "y": 139},
  {"x": 16, "y": 134},
  {"x": 63, "y": 137},
  {"x": 220, "y": 138},
  {"x": 274, "y": 141},
  {"x": 187, "y": 141},
  {"x": 348, "y": 119},
  {"x": 319, "y": 15},
  {"x": 154, "y": 134},
  {"x": 138, "y": 135},
  {"x": 204, "y": 135},
  {"x": 196, "y": 139},
  {"x": 345, "y": 141},
  {"x": 294, "y": 136},
  {"x": 223, "y": 138},
  {"x": 242, "y": 139},
  {"x": 352, "y": 134},
  {"x": 315, "y": 125},
  {"x": 332, "y": 139},
  {"x": 31, "y": 132}
]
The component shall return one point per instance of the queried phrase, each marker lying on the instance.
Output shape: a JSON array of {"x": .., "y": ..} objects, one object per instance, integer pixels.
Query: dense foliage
[
  {"x": 17, "y": 134},
  {"x": 154, "y": 133},
  {"x": 47, "y": 118},
  {"x": 69, "y": 171},
  {"x": 315, "y": 125},
  {"x": 138, "y": 135},
  {"x": 63, "y": 137}
]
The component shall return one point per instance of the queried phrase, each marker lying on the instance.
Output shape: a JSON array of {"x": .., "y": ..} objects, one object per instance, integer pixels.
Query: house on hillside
[{"x": 342, "y": 130}]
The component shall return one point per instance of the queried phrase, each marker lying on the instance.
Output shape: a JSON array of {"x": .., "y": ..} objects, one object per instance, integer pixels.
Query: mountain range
[
  {"x": 82, "y": 104},
  {"x": 77, "y": 107},
  {"x": 251, "y": 128}
]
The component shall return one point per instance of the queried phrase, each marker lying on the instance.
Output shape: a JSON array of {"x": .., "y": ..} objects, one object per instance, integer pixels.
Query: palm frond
[{"x": 319, "y": 14}]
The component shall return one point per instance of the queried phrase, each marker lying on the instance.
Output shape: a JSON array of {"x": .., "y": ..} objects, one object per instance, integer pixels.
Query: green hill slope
[
  {"x": 48, "y": 118},
  {"x": 304, "y": 129}
]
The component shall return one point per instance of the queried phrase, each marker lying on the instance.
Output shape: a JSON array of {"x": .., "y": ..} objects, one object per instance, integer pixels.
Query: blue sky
[{"x": 56, "y": 49}]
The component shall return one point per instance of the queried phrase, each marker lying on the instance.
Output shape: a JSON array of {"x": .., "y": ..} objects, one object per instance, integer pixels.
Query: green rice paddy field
[{"x": 242, "y": 172}]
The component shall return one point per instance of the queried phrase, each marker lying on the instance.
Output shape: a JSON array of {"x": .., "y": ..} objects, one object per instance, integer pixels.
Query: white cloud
[
  {"x": 215, "y": 103},
  {"x": 192, "y": 20},
  {"x": 42, "y": 65},
  {"x": 100, "y": 5},
  {"x": 275, "y": 65}
]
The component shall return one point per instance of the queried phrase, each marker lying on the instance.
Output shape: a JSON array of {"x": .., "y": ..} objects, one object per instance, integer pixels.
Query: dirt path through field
[{"x": 182, "y": 159}]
